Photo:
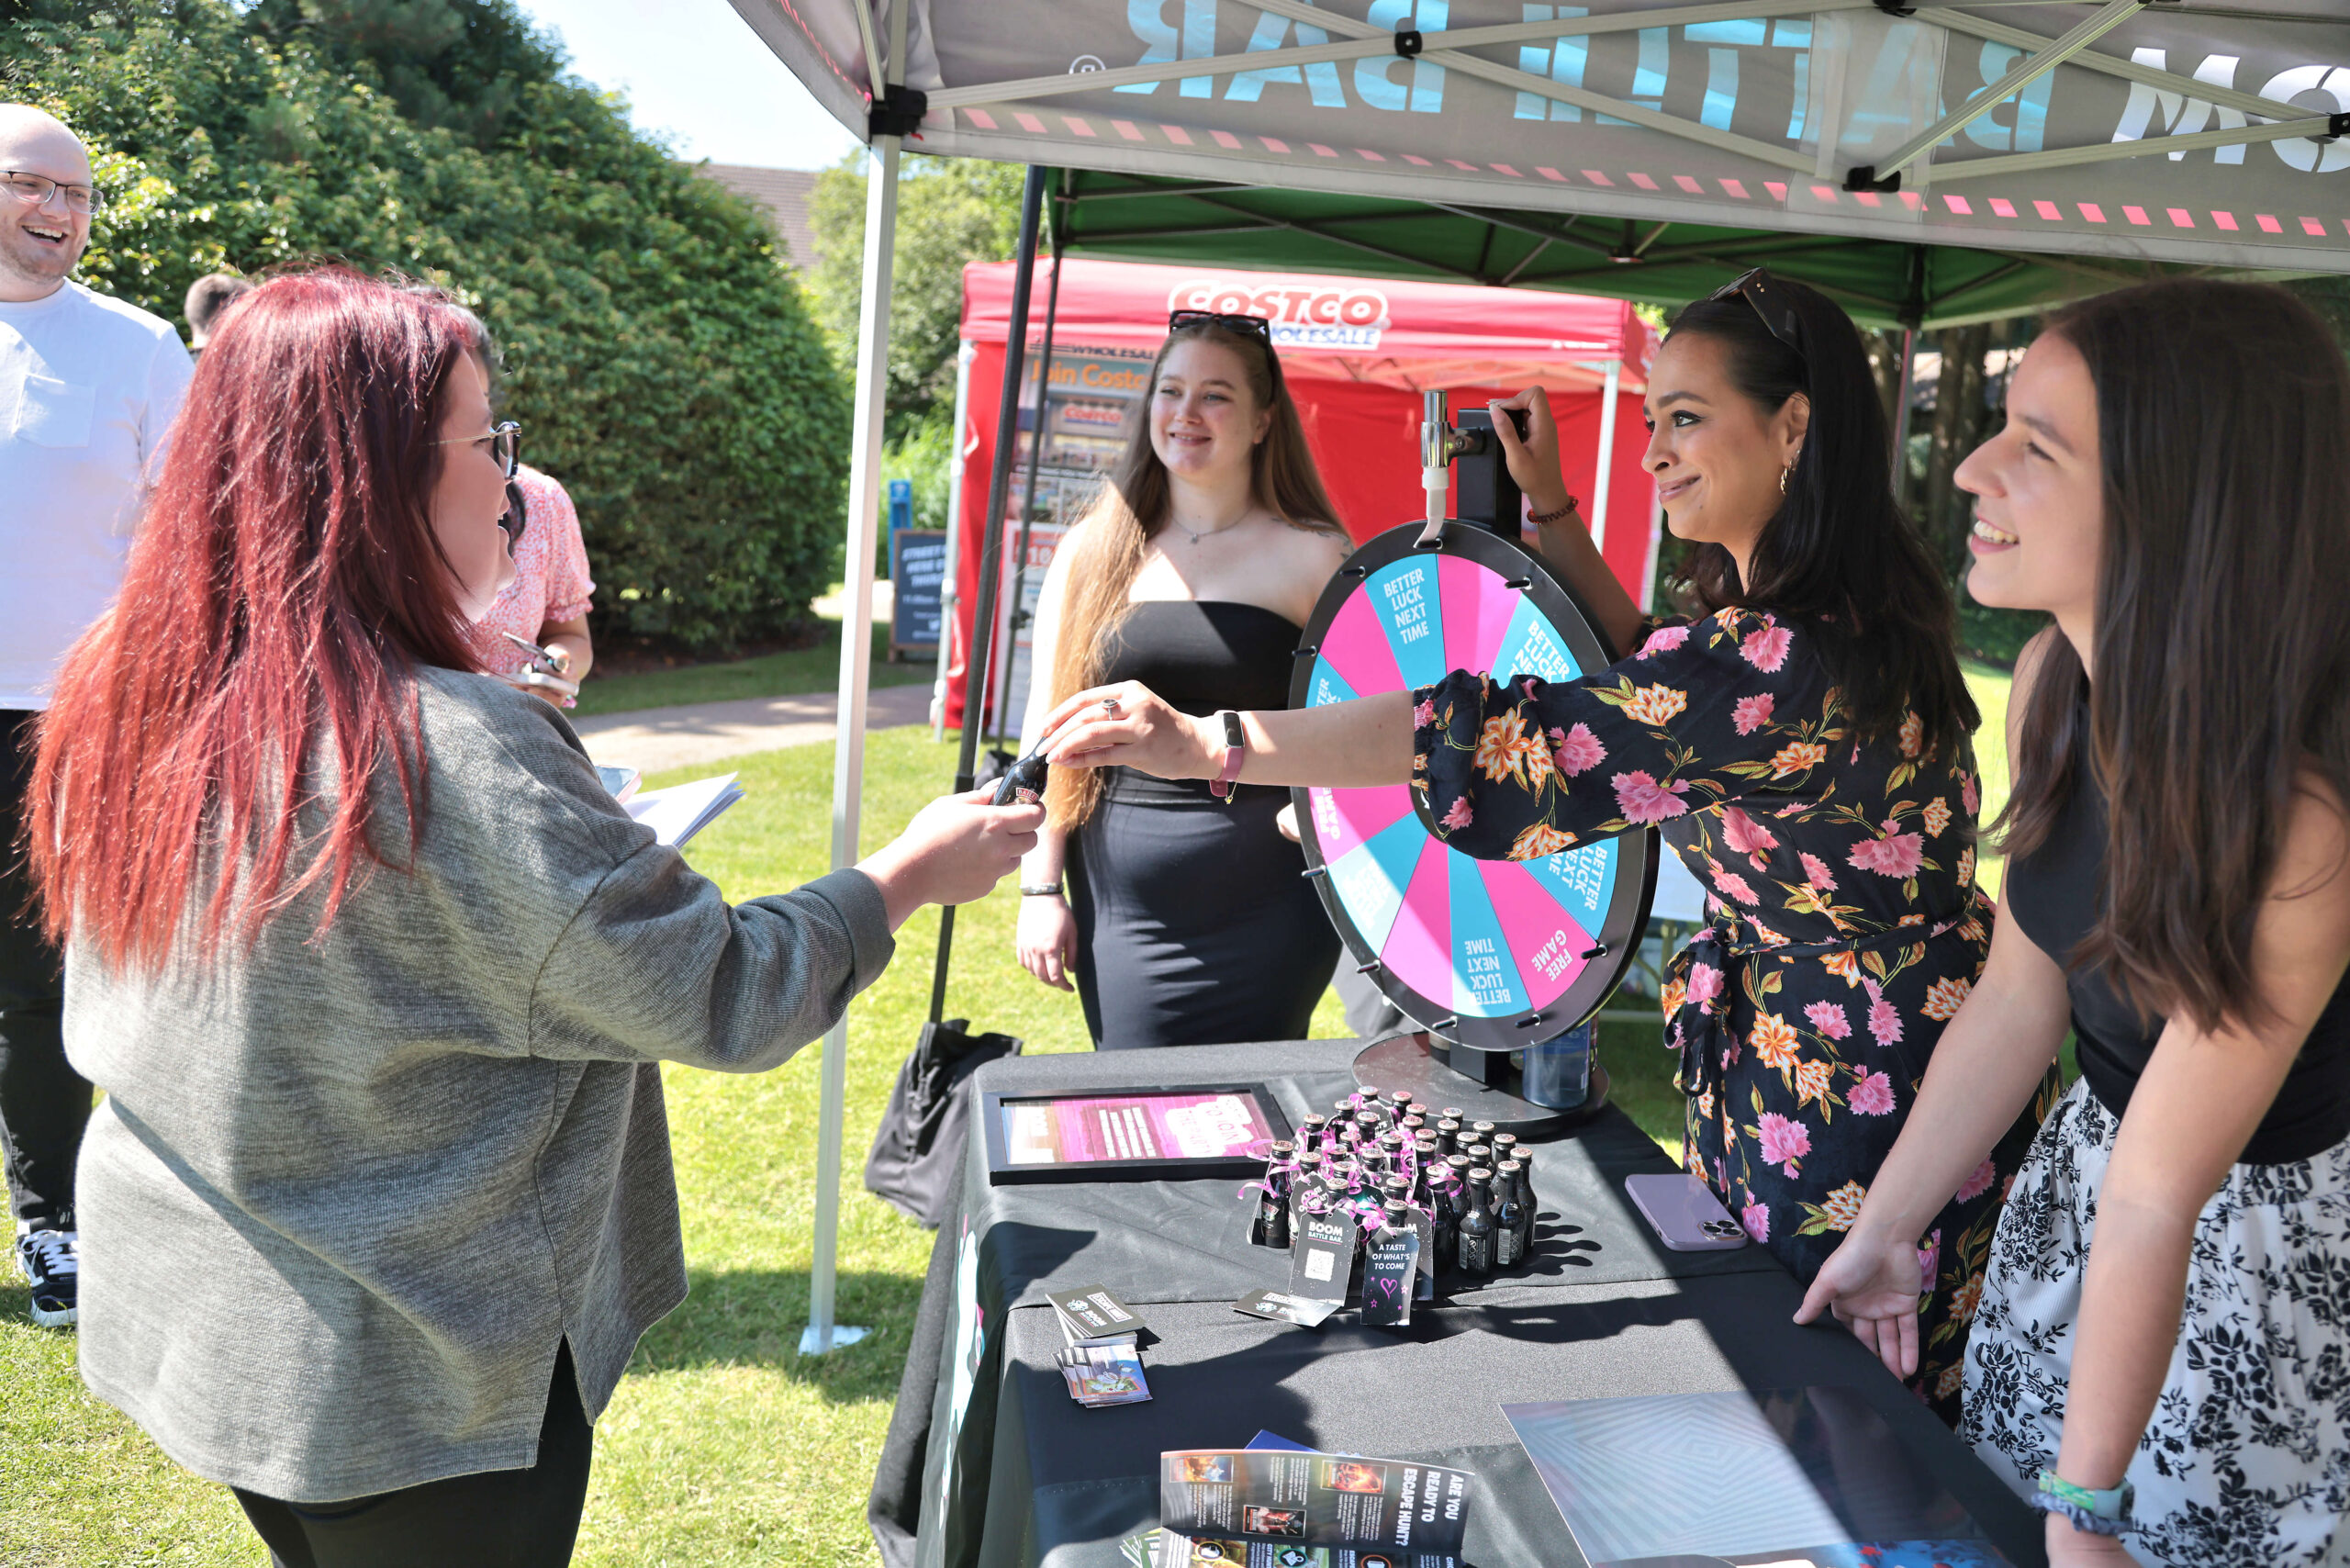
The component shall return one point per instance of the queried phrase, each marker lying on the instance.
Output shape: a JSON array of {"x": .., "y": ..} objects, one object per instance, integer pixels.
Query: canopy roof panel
[
  {"x": 2145, "y": 130},
  {"x": 1881, "y": 283}
]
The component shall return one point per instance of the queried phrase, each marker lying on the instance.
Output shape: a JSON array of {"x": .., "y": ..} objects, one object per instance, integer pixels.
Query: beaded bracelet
[{"x": 1549, "y": 517}]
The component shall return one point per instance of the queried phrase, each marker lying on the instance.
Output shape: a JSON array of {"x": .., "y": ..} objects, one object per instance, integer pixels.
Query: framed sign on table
[{"x": 1131, "y": 1134}]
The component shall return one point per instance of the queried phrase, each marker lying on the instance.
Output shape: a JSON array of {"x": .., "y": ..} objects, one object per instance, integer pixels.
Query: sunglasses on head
[
  {"x": 1258, "y": 327},
  {"x": 1761, "y": 291}
]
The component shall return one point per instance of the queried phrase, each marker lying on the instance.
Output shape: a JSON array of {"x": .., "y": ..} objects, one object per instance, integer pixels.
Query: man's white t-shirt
[{"x": 88, "y": 389}]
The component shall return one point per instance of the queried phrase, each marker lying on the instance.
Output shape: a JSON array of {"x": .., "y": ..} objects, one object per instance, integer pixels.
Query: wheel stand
[{"x": 1483, "y": 1083}]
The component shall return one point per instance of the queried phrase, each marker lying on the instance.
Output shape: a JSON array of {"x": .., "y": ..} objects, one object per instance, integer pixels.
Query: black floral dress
[{"x": 1847, "y": 927}]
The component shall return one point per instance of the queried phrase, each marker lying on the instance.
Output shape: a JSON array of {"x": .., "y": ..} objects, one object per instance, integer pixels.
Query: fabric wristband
[{"x": 2099, "y": 1512}]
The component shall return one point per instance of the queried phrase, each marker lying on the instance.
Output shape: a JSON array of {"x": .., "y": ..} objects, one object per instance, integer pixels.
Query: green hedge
[{"x": 661, "y": 358}]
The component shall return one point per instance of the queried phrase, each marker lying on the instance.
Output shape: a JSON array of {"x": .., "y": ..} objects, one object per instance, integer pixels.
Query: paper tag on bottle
[
  {"x": 1389, "y": 1260},
  {"x": 1323, "y": 1259},
  {"x": 1276, "y": 1306}
]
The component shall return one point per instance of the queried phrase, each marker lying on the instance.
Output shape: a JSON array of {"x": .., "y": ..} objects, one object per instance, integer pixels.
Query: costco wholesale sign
[{"x": 1355, "y": 356}]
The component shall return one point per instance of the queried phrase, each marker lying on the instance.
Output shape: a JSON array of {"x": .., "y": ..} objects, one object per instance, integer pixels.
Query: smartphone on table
[{"x": 1684, "y": 1214}]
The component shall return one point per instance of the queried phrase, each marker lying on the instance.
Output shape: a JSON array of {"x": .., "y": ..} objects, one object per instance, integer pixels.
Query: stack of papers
[{"x": 681, "y": 811}]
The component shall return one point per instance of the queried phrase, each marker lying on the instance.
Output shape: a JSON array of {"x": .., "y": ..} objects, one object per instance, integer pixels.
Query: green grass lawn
[
  {"x": 723, "y": 1446},
  {"x": 813, "y": 668}
]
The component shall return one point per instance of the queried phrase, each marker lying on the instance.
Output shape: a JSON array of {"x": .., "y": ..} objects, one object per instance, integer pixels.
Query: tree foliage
[
  {"x": 659, "y": 354},
  {"x": 950, "y": 211}
]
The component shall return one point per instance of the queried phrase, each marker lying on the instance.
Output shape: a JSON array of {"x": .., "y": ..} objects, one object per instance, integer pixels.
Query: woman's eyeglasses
[
  {"x": 1761, "y": 291},
  {"x": 1258, "y": 327},
  {"x": 505, "y": 445}
]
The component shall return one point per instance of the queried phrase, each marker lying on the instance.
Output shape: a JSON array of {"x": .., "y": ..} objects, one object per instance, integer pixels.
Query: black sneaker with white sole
[{"x": 51, "y": 1261}]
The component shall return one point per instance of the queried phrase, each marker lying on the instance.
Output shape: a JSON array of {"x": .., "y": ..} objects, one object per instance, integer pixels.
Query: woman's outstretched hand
[
  {"x": 1872, "y": 1284},
  {"x": 956, "y": 850},
  {"x": 1129, "y": 726},
  {"x": 1533, "y": 461}
]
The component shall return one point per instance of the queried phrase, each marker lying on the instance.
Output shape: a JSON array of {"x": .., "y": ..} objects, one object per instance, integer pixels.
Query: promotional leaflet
[
  {"x": 1090, "y": 1314},
  {"x": 1260, "y": 1508},
  {"x": 1104, "y": 1374}
]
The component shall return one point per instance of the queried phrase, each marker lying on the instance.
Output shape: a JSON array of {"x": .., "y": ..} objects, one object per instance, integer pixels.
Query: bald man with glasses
[{"x": 88, "y": 387}]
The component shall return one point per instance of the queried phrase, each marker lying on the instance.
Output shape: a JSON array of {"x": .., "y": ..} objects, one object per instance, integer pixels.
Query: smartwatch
[{"x": 1236, "y": 746}]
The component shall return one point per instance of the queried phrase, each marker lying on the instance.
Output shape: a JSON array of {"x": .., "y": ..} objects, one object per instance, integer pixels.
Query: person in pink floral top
[
  {"x": 547, "y": 602},
  {"x": 1804, "y": 747}
]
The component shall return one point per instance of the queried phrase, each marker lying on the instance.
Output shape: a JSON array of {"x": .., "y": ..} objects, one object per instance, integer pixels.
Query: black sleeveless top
[
  {"x": 2056, "y": 895},
  {"x": 1201, "y": 655}
]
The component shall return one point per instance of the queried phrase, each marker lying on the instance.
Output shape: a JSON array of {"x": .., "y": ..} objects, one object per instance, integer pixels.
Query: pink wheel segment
[
  {"x": 1477, "y": 613},
  {"x": 1419, "y": 944},
  {"x": 1545, "y": 943}
]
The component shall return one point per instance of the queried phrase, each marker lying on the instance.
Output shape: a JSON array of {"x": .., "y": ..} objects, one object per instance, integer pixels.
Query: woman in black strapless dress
[
  {"x": 1195, "y": 919},
  {"x": 1182, "y": 916}
]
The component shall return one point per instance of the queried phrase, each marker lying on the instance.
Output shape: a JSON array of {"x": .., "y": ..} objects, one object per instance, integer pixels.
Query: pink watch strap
[{"x": 1236, "y": 747}]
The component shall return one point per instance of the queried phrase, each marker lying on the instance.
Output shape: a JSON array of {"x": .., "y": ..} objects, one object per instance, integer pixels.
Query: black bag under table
[{"x": 989, "y": 1463}]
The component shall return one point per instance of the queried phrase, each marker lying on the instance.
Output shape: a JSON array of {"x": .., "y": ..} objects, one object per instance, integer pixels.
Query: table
[{"x": 989, "y": 1464}]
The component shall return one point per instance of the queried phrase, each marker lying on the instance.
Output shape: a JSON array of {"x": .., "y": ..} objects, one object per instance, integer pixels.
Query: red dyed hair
[{"x": 258, "y": 661}]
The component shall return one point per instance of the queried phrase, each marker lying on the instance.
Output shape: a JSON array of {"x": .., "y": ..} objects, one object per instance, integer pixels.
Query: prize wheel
[{"x": 1490, "y": 955}]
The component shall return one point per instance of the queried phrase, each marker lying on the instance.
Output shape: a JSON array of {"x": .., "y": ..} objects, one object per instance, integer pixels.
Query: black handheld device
[{"x": 1485, "y": 494}]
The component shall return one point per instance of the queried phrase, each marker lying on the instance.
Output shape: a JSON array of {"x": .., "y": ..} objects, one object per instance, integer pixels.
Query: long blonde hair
[{"x": 1133, "y": 505}]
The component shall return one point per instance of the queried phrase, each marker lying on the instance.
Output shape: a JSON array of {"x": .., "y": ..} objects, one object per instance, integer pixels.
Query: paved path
[{"x": 657, "y": 738}]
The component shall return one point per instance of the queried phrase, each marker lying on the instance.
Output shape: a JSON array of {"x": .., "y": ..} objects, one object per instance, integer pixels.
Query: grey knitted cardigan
[{"x": 346, "y": 1198}]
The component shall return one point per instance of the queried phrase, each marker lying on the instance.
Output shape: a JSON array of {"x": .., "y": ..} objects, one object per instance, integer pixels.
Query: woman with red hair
[{"x": 376, "y": 974}]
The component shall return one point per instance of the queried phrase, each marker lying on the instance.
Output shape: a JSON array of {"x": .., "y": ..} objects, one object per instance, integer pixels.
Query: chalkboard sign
[{"x": 917, "y": 573}]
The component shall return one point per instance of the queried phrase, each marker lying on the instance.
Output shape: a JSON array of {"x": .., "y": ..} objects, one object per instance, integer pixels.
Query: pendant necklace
[{"x": 1210, "y": 532}]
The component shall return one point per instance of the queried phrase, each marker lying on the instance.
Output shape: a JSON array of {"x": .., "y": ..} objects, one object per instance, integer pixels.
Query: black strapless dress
[{"x": 1195, "y": 923}]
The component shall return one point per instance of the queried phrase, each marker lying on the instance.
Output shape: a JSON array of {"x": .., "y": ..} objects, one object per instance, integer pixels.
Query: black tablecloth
[{"x": 989, "y": 1464}]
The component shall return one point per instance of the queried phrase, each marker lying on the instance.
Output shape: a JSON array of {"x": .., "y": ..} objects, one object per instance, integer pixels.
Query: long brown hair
[
  {"x": 2222, "y": 628},
  {"x": 1840, "y": 551},
  {"x": 1107, "y": 544},
  {"x": 285, "y": 581}
]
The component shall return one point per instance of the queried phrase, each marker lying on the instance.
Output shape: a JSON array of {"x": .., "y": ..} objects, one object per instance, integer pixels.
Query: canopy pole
[
  {"x": 1018, "y": 617},
  {"x": 975, "y": 666},
  {"x": 856, "y": 659},
  {"x": 950, "y": 593},
  {"x": 1607, "y": 467},
  {"x": 1901, "y": 410}
]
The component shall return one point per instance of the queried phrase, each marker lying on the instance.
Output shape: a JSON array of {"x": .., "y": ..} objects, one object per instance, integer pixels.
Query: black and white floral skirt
[{"x": 2247, "y": 1458}]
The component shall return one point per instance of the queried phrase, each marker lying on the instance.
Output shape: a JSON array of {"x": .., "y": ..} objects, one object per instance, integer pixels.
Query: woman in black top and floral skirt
[
  {"x": 1803, "y": 747},
  {"x": 2162, "y": 1359}
]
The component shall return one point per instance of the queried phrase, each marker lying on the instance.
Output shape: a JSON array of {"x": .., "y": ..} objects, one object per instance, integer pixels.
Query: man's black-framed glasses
[
  {"x": 1761, "y": 291},
  {"x": 1258, "y": 327},
  {"x": 36, "y": 190}
]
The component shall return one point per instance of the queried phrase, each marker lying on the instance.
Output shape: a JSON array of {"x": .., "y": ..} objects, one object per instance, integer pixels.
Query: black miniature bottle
[
  {"x": 1444, "y": 1213},
  {"x": 1271, "y": 1226},
  {"x": 1023, "y": 782},
  {"x": 1477, "y": 1226},
  {"x": 1509, "y": 1217},
  {"x": 1448, "y": 1134}
]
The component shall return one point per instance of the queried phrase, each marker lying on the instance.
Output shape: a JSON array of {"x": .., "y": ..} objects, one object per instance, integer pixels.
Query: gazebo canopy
[{"x": 1881, "y": 282}]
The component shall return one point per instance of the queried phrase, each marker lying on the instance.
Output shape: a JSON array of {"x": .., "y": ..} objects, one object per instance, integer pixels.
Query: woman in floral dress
[{"x": 1804, "y": 747}]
